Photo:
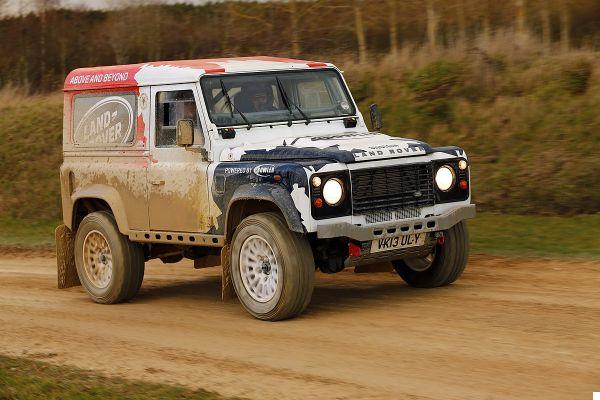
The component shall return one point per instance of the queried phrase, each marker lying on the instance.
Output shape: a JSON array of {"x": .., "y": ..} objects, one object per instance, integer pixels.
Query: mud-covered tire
[
  {"x": 127, "y": 260},
  {"x": 449, "y": 261},
  {"x": 293, "y": 259}
]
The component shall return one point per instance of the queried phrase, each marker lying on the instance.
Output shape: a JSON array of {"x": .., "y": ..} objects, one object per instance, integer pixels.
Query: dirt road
[{"x": 508, "y": 329}]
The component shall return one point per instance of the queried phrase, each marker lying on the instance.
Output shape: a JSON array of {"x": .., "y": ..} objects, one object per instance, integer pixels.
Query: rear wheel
[
  {"x": 272, "y": 268},
  {"x": 443, "y": 265},
  {"x": 110, "y": 266}
]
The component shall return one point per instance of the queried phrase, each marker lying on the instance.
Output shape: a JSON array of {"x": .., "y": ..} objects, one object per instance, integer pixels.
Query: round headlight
[
  {"x": 444, "y": 178},
  {"x": 333, "y": 191}
]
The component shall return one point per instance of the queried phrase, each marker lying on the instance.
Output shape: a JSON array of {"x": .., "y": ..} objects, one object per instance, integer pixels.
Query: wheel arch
[
  {"x": 97, "y": 198},
  {"x": 252, "y": 199}
]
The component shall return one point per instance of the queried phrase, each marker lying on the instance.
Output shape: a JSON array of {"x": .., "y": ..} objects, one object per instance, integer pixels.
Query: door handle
[{"x": 157, "y": 183}]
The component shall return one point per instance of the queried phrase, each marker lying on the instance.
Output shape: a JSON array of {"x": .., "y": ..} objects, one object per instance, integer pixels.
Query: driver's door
[{"x": 177, "y": 177}]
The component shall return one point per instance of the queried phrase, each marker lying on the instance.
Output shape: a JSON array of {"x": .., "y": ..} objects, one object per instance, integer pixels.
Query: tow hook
[
  {"x": 354, "y": 249},
  {"x": 441, "y": 239}
]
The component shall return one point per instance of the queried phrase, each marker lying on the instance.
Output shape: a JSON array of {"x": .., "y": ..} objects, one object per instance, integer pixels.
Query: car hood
[{"x": 344, "y": 148}]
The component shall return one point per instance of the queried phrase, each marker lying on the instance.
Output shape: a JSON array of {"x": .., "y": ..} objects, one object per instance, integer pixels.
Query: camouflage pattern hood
[{"x": 344, "y": 148}]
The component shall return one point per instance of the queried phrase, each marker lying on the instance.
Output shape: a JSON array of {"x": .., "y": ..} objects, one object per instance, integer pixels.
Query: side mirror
[
  {"x": 185, "y": 132},
  {"x": 376, "y": 121}
]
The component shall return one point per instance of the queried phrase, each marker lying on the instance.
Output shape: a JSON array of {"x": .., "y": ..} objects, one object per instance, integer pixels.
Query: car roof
[{"x": 180, "y": 71}]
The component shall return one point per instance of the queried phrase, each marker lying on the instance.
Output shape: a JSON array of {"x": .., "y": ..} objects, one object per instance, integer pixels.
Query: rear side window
[
  {"x": 170, "y": 108},
  {"x": 106, "y": 119}
]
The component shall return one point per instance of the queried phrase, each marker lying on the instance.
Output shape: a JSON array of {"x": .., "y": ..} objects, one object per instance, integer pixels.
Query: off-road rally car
[{"x": 262, "y": 165}]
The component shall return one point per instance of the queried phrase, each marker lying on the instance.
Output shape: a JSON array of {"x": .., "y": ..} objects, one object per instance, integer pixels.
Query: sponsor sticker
[
  {"x": 99, "y": 78},
  {"x": 385, "y": 150},
  {"x": 264, "y": 170},
  {"x": 237, "y": 170},
  {"x": 343, "y": 136}
]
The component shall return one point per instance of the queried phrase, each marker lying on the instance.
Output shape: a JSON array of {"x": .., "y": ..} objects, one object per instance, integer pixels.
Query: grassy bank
[
  {"x": 561, "y": 237},
  {"x": 27, "y": 234},
  {"x": 529, "y": 123},
  {"x": 22, "y": 379},
  {"x": 499, "y": 234}
]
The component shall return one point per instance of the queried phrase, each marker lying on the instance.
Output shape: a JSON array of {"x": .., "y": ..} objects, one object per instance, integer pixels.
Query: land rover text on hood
[{"x": 264, "y": 166}]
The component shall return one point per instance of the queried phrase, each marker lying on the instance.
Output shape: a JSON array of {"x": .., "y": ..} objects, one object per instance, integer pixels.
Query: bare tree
[
  {"x": 546, "y": 26},
  {"x": 487, "y": 29},
  {"x": 520, "y": 33},
  {"x": 565, "y": 26},
  {"x": 359, "y": 29},
  {"x": 462, "y": 24},
  {"x": 248, "y": 17},
  {"x": 393, "y": 26},
  {"x": 229, "y": 46},
  {"x": 295, "y": 39},
  {"x": 155, "y": 40},
  {"x": 43, "y": 7},
  {"x": 432, "y": 23}
]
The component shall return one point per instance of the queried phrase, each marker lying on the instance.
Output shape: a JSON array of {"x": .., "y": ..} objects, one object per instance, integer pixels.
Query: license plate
[{"x": 398, "y": 242}]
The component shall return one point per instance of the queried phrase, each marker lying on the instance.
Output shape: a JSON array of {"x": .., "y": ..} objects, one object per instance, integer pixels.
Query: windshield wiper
[
  {"x": 288, "y": 103},
  {"x": 231, "y": 106}
]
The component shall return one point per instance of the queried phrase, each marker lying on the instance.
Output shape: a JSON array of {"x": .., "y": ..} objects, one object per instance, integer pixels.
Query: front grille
[
  {"x": 392, "y": 188},
  {"x": 373, "y": 217}
]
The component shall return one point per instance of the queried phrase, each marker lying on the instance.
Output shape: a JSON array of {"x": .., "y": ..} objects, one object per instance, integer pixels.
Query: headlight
[
  {"x": 445, "y": 178},
  {"x": 333, "y": 191},
  {"x": 316, "y": 181}
]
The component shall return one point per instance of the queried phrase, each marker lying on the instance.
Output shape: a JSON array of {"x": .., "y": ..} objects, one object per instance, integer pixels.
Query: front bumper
[{"x": 395, "y": 228}]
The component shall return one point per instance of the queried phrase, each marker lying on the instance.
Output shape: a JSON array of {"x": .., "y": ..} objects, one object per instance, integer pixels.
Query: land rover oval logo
[
  {"x": 109, "y": 121},
  {"x": 417, "y": 193},
  {"x": 264, "y": 170}
]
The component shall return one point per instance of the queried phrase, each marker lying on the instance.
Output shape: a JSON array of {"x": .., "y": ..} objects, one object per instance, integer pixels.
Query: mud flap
[
  {"x": 227, "y": 290},
  {"x": 65, "y": 258}
]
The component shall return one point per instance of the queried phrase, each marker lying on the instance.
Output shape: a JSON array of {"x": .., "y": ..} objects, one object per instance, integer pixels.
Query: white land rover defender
[{"x": 263, "y": 165}]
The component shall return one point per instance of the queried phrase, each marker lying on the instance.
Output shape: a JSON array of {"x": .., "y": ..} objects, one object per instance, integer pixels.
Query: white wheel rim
[
  {"x": 97, "y": 259},
  {"x": 259, "y": 269}
]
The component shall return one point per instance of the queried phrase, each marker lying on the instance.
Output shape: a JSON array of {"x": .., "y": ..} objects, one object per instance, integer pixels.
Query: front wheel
[
  {"x": 443, "y": 265},
  {"x": 272, "y": 268}
]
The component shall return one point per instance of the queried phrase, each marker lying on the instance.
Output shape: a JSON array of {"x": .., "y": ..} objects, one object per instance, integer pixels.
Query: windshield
[{"x": 275, "y": 97}]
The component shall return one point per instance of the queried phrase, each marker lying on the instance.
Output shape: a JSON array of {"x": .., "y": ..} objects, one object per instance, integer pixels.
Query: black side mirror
[
  {"x": 376, "y": 121},
  {"x": 227, "y": 133}
]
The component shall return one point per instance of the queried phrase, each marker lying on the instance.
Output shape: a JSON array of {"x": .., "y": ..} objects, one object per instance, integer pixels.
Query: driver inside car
[{"x": 256, "y": 98}]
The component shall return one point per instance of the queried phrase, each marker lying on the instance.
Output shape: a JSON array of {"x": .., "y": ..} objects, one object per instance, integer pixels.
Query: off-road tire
[
  {"x": 294, "y": 258},
  {"x": 449, "y": 262},
  {"x": 127, "y": 260}
]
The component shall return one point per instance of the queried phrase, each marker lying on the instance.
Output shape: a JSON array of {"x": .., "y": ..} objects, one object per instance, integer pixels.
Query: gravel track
[{"x": 508, "y": 329}]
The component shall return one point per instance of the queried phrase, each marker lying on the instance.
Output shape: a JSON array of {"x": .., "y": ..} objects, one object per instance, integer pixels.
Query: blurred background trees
[
  {"x": 40, "y": 44},
  {"x": 513, "y": 82}
]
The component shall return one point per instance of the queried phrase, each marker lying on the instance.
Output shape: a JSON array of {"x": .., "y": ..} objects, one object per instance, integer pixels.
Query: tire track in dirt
[{"x": 508, "y": 329}]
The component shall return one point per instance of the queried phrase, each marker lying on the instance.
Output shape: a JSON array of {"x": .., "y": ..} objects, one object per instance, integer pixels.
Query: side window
[
  {"x": 170, "y": 108},
  {"x": 104, "y": 119}
]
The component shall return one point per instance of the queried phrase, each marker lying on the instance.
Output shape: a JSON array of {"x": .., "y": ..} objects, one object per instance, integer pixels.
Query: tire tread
[
  {"x": 449, "y": 263},
  {"x": 299, "y": 276},
  {"x": 132, "y": 259}
]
